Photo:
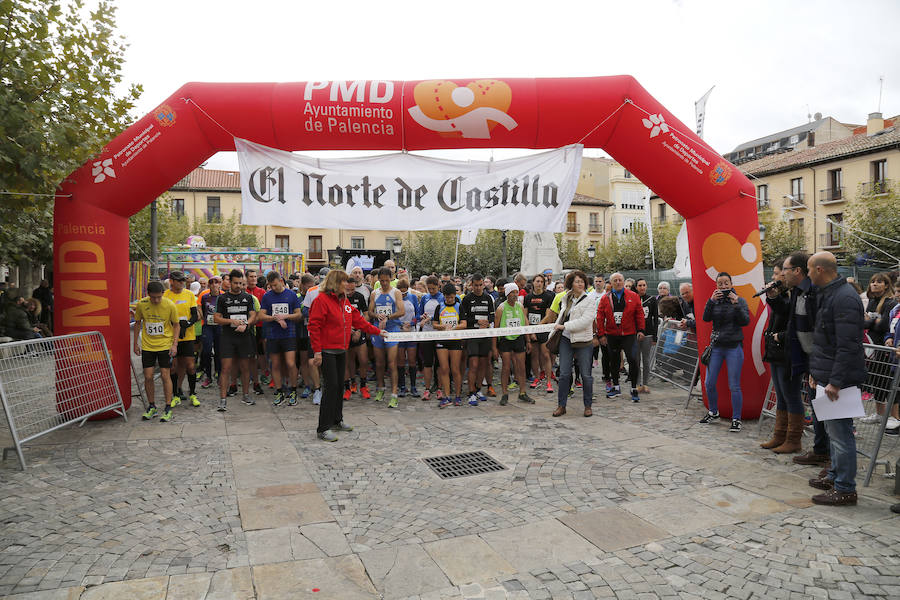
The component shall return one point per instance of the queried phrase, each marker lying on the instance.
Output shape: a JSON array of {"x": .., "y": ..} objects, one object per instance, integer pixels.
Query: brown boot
[
  {"x": 794, "y": 434},
  {"x": 780, "y": 432}
]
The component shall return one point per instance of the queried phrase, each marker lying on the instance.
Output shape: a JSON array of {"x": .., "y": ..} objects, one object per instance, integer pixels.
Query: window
[
  {"x": 835, "y": 189},
  {"x": 315, "y": 247},
  {"x": 628, "y": 174},
  {"x": 283, "y": 242},
  {"x": 797, "y": 227},
  {"x": 571, "y": 224},
  {"x": 389, "y": 243},
  {"x": 178, "y": 208},
  {"x": 879, "y": 170},
  {"x": 762, "y": 196},
  {"x": 797, "y": 192},
  {"x": 795, "y": 138},
  {"x": 595, "y": 222},
  {"x": 357, "y": 243},
  {"x": 833, "y": 230},
  {"x": 213, "y": 209}
]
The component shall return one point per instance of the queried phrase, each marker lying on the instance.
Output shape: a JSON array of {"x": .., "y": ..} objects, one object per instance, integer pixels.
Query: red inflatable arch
[{"x": 613, "y": 113}]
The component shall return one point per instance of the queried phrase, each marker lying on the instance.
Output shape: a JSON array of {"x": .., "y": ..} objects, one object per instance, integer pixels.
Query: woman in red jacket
[
  {"x": 331, "y": 320},
  {"x": 620, "y": 317}
]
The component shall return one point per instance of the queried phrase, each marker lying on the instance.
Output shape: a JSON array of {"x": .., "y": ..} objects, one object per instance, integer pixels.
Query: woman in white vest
[{"x": 575, "y": 323}]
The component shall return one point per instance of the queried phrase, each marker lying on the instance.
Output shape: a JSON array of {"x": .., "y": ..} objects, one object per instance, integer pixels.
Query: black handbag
[
  {"x": 707, "y": 352},
  {"x": 775, "y": 351}
]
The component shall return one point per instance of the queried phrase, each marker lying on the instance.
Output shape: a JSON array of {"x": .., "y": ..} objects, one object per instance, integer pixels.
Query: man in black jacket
[{"x": 837, "y": 361}]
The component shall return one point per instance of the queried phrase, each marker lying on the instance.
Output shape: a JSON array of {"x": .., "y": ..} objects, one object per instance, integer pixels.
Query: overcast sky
[{"x": 773, "y": 62}]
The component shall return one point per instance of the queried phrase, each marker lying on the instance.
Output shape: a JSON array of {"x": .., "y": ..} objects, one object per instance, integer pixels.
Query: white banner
[
  {"x": 700, "y": 110},
  {"x": 468, "y": 237},
  {"x": 465, "y": 334},
  {"x": 405, "y": 191}
]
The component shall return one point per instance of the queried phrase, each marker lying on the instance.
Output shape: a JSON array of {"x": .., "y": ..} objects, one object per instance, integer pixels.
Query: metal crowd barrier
[
  {"x": 879, "y": 392},
  {"x": 676, "y": 359},
  {"x": 48, "y": 383}
]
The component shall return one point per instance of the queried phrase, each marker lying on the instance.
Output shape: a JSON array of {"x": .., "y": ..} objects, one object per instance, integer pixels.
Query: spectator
[
  {"x": 892, "y": 339},
  {"x": 662, "y": 290},
  {"x": 575, "y": 324},
  {"x": 16, "y": 318},
  {"x": 33, "y": 309},
  {"x": 878, "y": 309},
  {"x": 44, "y": 293},
  {"x": 788, "y": 343},
  {"x": 651, "y": 318},
  {"x": 686, "y": 291},
  {"x": 729, "y": 314},
  {"x": 620, "y": 325},
  {"x": 837, "y": 361}
]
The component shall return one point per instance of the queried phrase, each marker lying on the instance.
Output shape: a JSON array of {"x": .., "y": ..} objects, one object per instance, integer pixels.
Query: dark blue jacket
[
  {"x": 837, "y": 356},
  {"x": 728, "y": 320}
]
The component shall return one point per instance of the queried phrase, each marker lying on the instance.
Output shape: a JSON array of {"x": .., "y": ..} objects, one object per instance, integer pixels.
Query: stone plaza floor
[{"x": 637, "y": 502}]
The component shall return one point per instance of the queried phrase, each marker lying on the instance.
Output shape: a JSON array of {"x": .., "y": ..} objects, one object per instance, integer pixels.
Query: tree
[
  {"x": 433, "y": 251},
  {"x": 58, "y": 107},
  {"x": 780, "y": 239},
  {"x": 872, "y": 221}
]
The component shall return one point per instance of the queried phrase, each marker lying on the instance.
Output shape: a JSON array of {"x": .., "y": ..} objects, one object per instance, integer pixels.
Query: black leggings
[
  {"x": 331, "y": 410},
  {"x": 616, "y": 343}
]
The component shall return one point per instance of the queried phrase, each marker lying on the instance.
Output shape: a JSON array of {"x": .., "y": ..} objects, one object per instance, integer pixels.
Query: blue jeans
[
  {"x": 843, "y": 454},
  {"x": 733, "y": 359},
  {"x": 211, "y": 336},
  {"x": 584, "y": 356},
  {"x": 787, "y": 389}
]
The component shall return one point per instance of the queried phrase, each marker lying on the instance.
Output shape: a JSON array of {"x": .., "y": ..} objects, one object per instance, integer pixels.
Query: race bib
[
  {"x": 279, "y": 309},
  {"x": 156, "y": 329},
  {"x": 239, "y": 319},
  {"x": 617, "y": 317},
  {"x": 513, "y": 323},
  {"x": 383, "y": 311},
  {"x": 534, "y": 318},
  {"x": 646, "y": 312},
  {"x": 449, "y": 322},
  {"x": 211, "y": 319}
]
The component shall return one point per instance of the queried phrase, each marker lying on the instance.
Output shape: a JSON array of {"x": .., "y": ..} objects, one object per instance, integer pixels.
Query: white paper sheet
[{"x": 849, "y": 404}]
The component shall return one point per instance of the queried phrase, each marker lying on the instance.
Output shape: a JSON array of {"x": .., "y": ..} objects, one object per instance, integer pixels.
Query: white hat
[
  {"x": 510, "y": 288},
  {"x": 195, "y": 287}
]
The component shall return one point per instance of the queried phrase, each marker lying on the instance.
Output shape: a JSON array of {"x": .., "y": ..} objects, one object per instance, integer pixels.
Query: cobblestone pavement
[{"x": 636, "y": 502}]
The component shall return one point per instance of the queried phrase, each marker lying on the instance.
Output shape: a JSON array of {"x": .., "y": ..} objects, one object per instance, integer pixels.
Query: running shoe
[
  {"x": 194, "y": 400},
  {"x": 223, "y": 405},
  {"x": 445, "y": 402},
  {"x": 346, "y": 394},
  {"x": 634, "y": 395},
  {"x": 264, "y": 379},
  {"x": 271, "y": 384},
  {"x": 248, "y": 400},
  {"x": 305, "y": 393},
  {"x": 166, "y": 416},
  {"x": 278, "y": 399},
  {"x": 549, "y": 388},
  {"x": 491, "y": 392},
  {"x": 394, "y": 401},
  {"x": 232, "y": 390},
  {"x": 512, "y": 386},
  {"x": 735, "y": 426},
  {"x": 402, "y": 391},
  {"x": 608, "y": 385},
  {"x": 327, "y": 436},
  {"x": 206, "y": 383},
  {"x": 578, "y": 384},
  {"x": 379, "y": 395},
  {"x": 151, "y": 412},
  {"x": 473, "y": 400},
  {"x": 426, "y": 395},
  {"x": 176, "y": 399},
  {"x": 457, "y": 401},
  {"x": 364, "y": 392},
  {"x": 257, "y": 389},
  {"x": 413, "y": 392},
  {"x": 440, "y": 394},
  {"x": 292, "y": 398},
  {"x": 526, "y": 398},
  {"x": 481, "y": 397},
  {"x": 317, "y": 397},
  {"x": 536, "y": 382},
  {"x": 342, "y": 427},
  {"x": 504, "y": 400},
  {"x": 709, "y": 417},
  {"x": 613, "y": 392},
  {"x": 354, "y": 388}
]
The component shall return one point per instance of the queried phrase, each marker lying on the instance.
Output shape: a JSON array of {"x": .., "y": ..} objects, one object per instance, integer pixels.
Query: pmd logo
[{"x": 266, "y": 184}]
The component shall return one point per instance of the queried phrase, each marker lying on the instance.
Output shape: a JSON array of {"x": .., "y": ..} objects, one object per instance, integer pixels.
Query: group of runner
[{"x": 249, "y": 330}]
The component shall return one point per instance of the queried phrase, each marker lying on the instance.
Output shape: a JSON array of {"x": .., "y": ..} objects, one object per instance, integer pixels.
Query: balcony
[
  {"x": 875, "y": 188},
  {"x": 314, "y": 254},
  {"x": 573, "y": 228},
  {"x": 796, "y": 201},
  {"x": 830, "y": 240},
  {"x": 595, "y": 228},
  {"x": 831, "y": 195},
  {"x": 762, "y": 203}
]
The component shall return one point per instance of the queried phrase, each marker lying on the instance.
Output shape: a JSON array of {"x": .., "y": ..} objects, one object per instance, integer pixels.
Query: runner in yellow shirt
[
  {"x": 156, "y": 330},
  {"x": 188, "y": 314}
]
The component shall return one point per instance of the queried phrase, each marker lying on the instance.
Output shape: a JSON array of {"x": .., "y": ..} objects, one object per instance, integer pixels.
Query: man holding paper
[{"x": 837, "y": 365}]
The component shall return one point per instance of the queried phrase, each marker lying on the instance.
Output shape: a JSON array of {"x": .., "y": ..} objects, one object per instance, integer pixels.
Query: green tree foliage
[
  {"x": 779, "y": 240},
  {"x": 59, "y": 67},
  {"x": 866, "y": 215},
  {"x": 173, "y": 230},
  {"x": 432, "y": 251}
]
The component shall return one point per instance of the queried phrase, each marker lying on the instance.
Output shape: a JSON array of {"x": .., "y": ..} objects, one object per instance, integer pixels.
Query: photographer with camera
[{"x": 729, "y": 314}]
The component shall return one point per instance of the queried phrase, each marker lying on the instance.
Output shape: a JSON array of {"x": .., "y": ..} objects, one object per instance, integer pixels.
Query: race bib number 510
[{"x": 156, "y": 329}]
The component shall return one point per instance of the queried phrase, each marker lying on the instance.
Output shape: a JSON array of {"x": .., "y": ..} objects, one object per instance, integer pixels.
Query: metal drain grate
[{"x": 452, "y": 466}]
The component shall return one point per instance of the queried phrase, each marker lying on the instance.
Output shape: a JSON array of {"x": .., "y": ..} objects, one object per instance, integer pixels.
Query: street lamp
[
  {"x": 592, "y": 252},
  {"x": 648, "y": 260},
  {"x": 762, "y": 233}
]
